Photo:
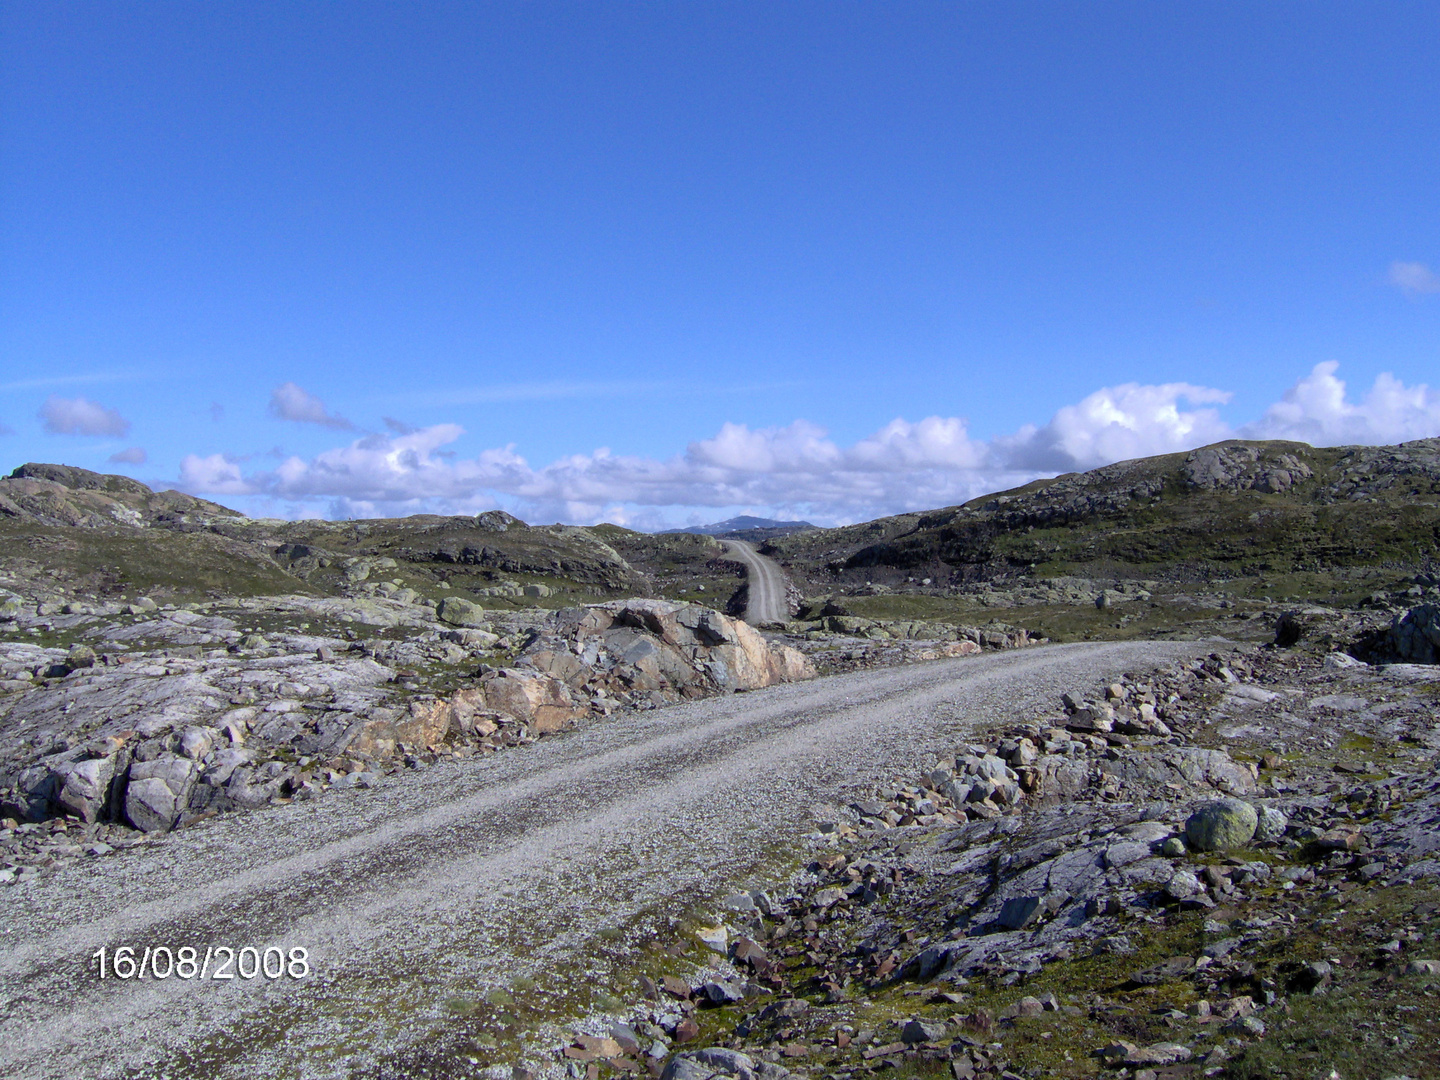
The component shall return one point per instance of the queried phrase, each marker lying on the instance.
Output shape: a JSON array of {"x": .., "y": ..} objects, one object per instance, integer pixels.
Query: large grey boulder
[
  {"x": 36, "y": 789},
  {"x": 458, "y": 611},
  {"x": 1221, "y": 825},
  {"x": 1414, "y": 637},
  {"x": 83, "y": 787},
  {"x": 157, "y": 792},
  {"x": 1271, "y": 823}
]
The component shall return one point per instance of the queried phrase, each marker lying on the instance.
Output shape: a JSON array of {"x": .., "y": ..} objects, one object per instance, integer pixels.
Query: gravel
[{"x": 459, "y": 878}]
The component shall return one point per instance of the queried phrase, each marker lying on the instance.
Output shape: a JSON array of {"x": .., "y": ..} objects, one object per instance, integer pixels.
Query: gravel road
[
  {"x": 452, "y": 881},
  {"x": 765, "y": 600}
]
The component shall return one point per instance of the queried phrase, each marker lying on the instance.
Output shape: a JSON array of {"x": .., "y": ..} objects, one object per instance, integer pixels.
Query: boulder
[
  {"x": 923, "y": 1031},
  {"x": 460, "y": 612},
  {"x": 1270, "y": 823},
  {"x": 157, "y": 792},
  {"x": 196, "y": 742},
  {"x": 541, "y": 701},
  {"x": 1221, "y": 825},
  {"x": 1414, "y": 637},
  {"x": 1291, "y": 628},
  {"x": 1183, "y": 885},
  {"x": 1019, "y": 912},
  {"x": 82, "y": 788},
  {"x": 717, "y": 1063}
]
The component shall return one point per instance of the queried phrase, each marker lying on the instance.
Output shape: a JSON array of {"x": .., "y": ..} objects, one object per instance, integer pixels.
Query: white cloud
[
  {"x": 797, "y": 470},
  {"x": 216, "y": 474},
  {"x": 291, "y": 402},
  {"x": 81, "y": 416},
  {"x": 1413, "y": 278},
  {"x": 1315, "y": 410},
  {"x": 1118, "y": 423},
  {"x": 134, "y": 455}
]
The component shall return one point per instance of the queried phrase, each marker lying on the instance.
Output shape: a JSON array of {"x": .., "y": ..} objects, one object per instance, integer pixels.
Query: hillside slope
[{"x": 1232, "y": 508}]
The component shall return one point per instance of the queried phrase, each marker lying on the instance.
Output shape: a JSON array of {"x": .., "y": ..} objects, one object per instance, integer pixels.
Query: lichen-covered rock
[
  {"x": 1183, "y": 885},
  {"x": 458, "y": 611},
  {"x": 1221, "y": 825},
  {"x": 1238, "y": 467}
]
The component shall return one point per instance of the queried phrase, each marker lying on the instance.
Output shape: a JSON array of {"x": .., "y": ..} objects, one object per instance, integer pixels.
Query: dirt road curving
[
  {"x": 765, "y": 604},
  {"x": 452, "y": 882}
]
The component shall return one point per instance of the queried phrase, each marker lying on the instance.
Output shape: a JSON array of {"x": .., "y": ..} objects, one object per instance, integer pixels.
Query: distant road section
[{"x": 766, "y": 600}]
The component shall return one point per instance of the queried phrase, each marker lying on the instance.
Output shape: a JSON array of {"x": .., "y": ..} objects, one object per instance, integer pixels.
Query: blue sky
[{"x": 666, "y": 262}]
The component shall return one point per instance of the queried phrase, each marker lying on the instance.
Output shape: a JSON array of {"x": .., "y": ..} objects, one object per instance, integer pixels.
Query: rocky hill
[
  {"x": 1234, "y": 509},
  {"x": 71, "y": 535},
  {"x": 1199, "y": 542}
]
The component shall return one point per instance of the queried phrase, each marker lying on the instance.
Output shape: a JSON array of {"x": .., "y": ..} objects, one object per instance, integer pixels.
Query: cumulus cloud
[
  {"x": 134, "y": 455},
  {"x": 81, "y": 416},
  {"x": 1316, "y": 410},
  {"x": 1118, "y": 423},
  {"x": 1413, "y": 278},
  {"x": 216, "y": 474},
  {"x": 797, "y": 470},
  {"x": 291, "y": 402}
]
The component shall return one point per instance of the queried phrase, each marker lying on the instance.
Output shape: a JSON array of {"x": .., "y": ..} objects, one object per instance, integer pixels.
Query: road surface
[
  {"x": 444, "y": 885},
  {"x": 765, "y": 603}
]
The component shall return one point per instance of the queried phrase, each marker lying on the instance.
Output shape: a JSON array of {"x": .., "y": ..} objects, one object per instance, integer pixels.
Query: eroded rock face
[
  {"x": 659, "y": 651},
  {"x": 541, "y": 701}
]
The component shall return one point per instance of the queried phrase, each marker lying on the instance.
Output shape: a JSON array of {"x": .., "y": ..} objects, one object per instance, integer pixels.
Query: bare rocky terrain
[{"x": 1129, "y": 773}]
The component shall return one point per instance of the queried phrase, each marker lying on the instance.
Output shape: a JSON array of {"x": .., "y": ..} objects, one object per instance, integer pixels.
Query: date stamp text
[{"x": 216, "y": 962}]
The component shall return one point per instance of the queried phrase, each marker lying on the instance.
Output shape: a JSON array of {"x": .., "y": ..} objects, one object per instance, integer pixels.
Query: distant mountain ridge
[{"x": 747, "y": 524}]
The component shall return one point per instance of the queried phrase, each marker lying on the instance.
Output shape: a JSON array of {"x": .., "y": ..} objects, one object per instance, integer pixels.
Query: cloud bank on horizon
[{"x": 795, "y": 470}]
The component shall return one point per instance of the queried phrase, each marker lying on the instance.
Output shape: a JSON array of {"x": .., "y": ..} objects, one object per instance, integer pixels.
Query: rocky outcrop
[
  {"x": 1243, "y": 467},
  {"x": 1414, "y": 637},
  {"x": 656, "y": 651},
  {"x": 216, "y": 718}
]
